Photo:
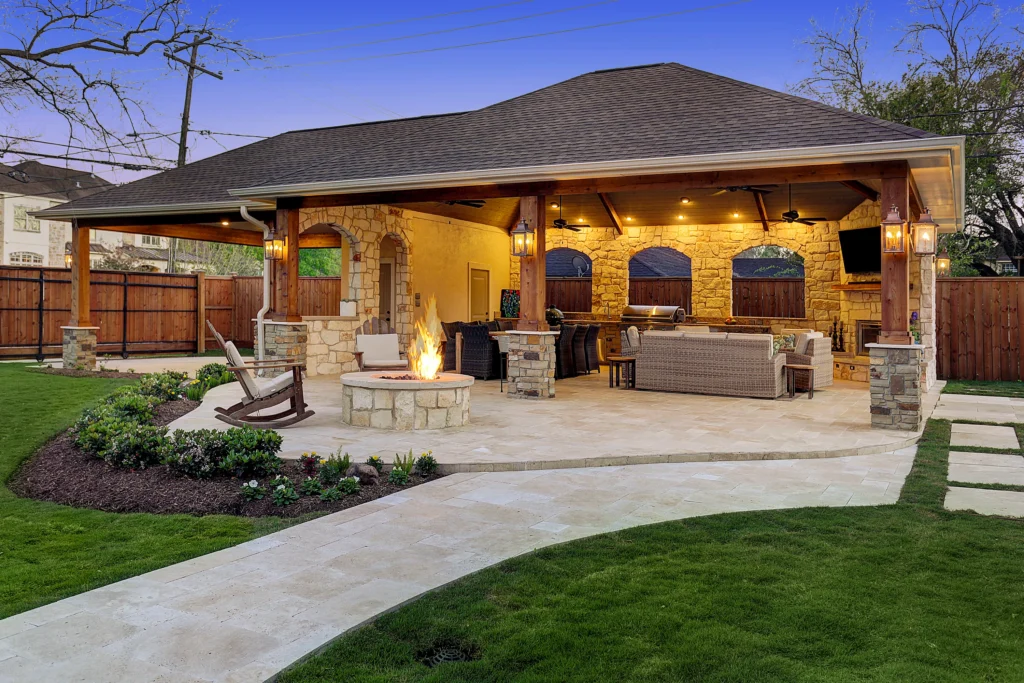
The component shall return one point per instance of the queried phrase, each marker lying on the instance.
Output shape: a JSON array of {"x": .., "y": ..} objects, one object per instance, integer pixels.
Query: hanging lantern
[
  {"x": 68, "y": 258},
  {"x": 523, "y": 243},
  {"x": 273, "y": 247},
  {"x": 893, "y": 233},
  {"x": 942, "y": 263},
  {"x": 926, "y": 231}
]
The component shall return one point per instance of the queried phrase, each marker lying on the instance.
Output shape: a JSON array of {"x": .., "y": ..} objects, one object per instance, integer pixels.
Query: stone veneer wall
[
  {"x": 531, "y": 364},
  {"x": 284, "y": 340},
  {"x": 896, "y": 386},
  {"x": 405, "y": 409},
  {"x": 80, "y": 347},
  {"x": 332, "y": 345},
  {"x": 58, "y": 239}
]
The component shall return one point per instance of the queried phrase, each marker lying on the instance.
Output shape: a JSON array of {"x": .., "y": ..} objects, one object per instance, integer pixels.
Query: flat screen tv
[{"x": 862, "y": 250}]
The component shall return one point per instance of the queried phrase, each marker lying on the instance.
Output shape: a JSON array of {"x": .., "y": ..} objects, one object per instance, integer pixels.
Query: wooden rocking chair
[{"x": 284, "y": 387}]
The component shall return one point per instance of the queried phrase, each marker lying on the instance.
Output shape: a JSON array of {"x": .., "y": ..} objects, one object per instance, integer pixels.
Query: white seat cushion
[
  {"x": 633, "y": 336},
  {"x": 386, "y": 364},
  {"x": 277, "y": 384},
  {"x": 804, "y": 338},
  {"x": 235, "y": 361},
  {"x": 378, "y": 347}
]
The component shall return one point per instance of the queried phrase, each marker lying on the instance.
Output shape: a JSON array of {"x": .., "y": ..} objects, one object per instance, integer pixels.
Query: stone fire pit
[{"x": 377, "y": 399}]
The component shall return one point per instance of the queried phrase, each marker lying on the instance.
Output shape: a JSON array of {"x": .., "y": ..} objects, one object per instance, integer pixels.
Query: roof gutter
[
  {"x": 872, "y": 151},
  {"x": 228, "y": 206},
  {"x": 260, "y": 314}
]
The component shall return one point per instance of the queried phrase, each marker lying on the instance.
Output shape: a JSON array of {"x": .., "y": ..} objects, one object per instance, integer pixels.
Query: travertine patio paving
[
  {"x": 979, "y": 408},
  {"x": 242, "y": 614},
  {"x": 589, "y": 424},
  {"x": 983, "y": 436}
]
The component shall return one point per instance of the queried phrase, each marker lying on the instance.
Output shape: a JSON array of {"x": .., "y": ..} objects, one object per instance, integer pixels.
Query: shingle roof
[
  {"x": 35, "y": 179},
  {"x": 655, "y": 111}
]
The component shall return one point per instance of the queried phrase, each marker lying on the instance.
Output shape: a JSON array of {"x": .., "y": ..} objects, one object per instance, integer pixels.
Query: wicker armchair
[
  {"x": 479, "y": 352},
  {"x": 593, "y": 361},
  {"x": 450, "y": 330},
  {"x": 812, "y": 349},
  {"x": 579, "y": 349},
  {"x": 630, "y": 342},
  {"x": 565, "y": 363}
]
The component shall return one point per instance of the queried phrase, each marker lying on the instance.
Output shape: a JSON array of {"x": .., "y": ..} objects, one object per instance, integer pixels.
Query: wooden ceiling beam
[
  {"x": 633, "y": 183},
  {"x": 916, "y": 205},
  {"x": 861, "y": 189},
  {"x": 202, "y": 233},
  {"x": 112, "y": 223},
  {"x": 609, "y": 208},
  {"x": 761, "y": 211}
]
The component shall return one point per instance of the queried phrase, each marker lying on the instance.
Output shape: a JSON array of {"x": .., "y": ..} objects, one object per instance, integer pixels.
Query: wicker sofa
[{"x": 727, "y": 364}]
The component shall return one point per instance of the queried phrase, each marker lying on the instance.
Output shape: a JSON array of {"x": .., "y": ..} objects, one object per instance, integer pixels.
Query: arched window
[
  {"x": 26, "y": 258},
  {"x": 660, "y": 276},
  {"x": 768, "y": 282},
  {"x": 570, "y": 280}
]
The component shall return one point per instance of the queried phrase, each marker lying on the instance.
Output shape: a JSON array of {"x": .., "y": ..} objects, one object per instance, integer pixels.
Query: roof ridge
[
  {"x": 368, "y": 123},
  {"x": 806, "y": 101}
]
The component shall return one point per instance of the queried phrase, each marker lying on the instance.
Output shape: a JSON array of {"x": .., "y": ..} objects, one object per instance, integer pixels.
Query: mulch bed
[
  {"x": 62, "y": 473},
  {"x": 71, "y": 372}
]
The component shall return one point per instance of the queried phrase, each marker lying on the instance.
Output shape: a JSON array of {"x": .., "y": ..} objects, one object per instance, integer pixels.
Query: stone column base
[
  {"x": 896, "y": 386},
  {"x": 284, "y": 340},
  {"x": 531, "y": 364},
  {"x": 80, "y": 347}
]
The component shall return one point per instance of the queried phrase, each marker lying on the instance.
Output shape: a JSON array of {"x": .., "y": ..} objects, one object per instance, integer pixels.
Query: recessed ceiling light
[
  {"x": 582, "y": 220},
  {"x": 735, "y": 214},
  {"x": 225, "y": 223},
  {"x": 629, "y": 218},
  {"x": 684, "y": 200},
  {"x": 681, "y": 217},
  {"x": 554, "y": 205}
]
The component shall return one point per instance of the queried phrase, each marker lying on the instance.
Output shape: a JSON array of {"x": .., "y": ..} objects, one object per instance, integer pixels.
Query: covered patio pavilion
[{"x": 432, "y": 198}]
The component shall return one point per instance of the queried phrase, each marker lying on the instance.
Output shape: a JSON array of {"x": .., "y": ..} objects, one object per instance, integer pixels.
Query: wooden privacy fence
[
  {"x": 661, "y": 291},
  {"x": 135, "y": 312},
  {"x": 978, "y": 323},
  {"x": 570, "y": 294},
  {"x": 768, "y": 297},
  {"x": 238, "y": 300}
]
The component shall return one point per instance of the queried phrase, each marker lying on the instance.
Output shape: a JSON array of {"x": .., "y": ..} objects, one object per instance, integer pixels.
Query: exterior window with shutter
[{"x": 23, "y": 222}]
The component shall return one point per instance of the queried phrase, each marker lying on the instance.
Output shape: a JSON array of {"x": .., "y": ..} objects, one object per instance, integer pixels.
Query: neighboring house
[{"x": 26, "y": 240}]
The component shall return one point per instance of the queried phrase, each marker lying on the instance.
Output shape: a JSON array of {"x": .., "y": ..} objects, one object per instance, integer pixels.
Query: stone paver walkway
[
  {"x": 986, "y": 468},
  {"x": 983, "y": 436},
  {"x": 979, "y": 408},
  {"x": 242, "y": 614},
  {"x": 589, "y": 424},
  {"x": 983, "y": 501}
]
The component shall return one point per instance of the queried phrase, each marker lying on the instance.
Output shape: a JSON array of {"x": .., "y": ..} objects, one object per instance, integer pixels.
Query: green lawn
[
  {"x": 907, "y": 592},
  {"x": 48, "y": 551},
  {"x": 1014, "y": 389}
]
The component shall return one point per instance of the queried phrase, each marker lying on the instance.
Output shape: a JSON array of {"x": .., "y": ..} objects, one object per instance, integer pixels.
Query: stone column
[
  {"x": 926, "y": 322},
  {"x": 896, "y": 386},
  {"x": 531, "y": 364},
  {"x": 80, "y": 347},
  {"x": 284, "y": 340}
]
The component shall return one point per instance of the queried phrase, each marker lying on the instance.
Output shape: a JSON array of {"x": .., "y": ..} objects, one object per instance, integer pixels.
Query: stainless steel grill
[{"x": 653, "y": 317}]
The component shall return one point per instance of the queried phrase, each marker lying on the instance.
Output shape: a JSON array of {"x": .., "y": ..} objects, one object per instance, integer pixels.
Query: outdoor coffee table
[
  {"x": 615, "y": 363},
  {"x": 791, "y": 370}
]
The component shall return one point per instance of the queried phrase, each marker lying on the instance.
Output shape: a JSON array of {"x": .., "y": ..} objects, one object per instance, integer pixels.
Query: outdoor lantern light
[
  {"x": 925, "y": 232},
  {"x": 523, "y": 240},
  {"x": 273, "y": 247},
  {"x": 942, "y": 262},
  {"x": 893, "y": 233},
  {"x": 68, "y": 259}
]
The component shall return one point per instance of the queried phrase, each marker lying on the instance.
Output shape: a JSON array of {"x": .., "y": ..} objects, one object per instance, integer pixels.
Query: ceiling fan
[
  {"x": 756, "y": 189},
  {"x": 793, "y": 216},
  {"x": 474, "y": 203},
  {"x": 562, "y": 224}
]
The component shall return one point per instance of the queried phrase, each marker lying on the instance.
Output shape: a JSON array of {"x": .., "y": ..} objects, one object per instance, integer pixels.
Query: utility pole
[{"x": 193, "y": 66}]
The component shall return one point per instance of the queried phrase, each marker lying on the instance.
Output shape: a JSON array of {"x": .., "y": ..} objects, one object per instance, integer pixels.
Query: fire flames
[{"x": 425, "y": 357}]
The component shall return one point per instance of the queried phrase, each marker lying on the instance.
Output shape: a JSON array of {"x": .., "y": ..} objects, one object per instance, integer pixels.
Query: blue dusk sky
[{"x": 333, "y": 63}]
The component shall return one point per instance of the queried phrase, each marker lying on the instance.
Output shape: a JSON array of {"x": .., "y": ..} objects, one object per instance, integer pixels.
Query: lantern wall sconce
[
  {"x": 942, "y": 263},
  {"x": 893, "y": 233},
  {"x": 523, "y": 240},
  {"x": 926, "y": 233},
  {"x": 273, "y": 247},
  {"x": 68, "y": 258}
]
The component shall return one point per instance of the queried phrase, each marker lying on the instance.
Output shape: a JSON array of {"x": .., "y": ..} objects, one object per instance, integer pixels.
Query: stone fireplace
[{"x": 867, "y": 333}]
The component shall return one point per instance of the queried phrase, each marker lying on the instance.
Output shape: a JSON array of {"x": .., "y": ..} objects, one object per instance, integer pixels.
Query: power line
[
  {"x": 236, "y": 135},
  {"x": 79, "y": 148},
  {"x": 506, "y": 40},
  {"x": 390, "y": 23},
  {"x": 120, "y": 164},
  {"x": 438, "y": 32}
]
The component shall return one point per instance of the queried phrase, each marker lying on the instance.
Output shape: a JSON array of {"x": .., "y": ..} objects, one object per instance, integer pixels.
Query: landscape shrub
[
  {"x": 212, "y": 372},
  {"x": 398, "y": 476},
  {"x": 94, "y": 434},
  {"x": 426, "y": 464},
  {"x": 333, "y": 469},
  {"x": 198, "y": 453},
  {"x": 309, "y": 463},
  {"x": 251, "y": 490},
  {"x": 248, "y": 464},
  {"x": 376, "y": 462},
  {"x": 349, "y": 485},
  {"x": 284, "y": 494},
  {"x": 311, "y": 487},
  {"x": 406, "y": 463},
  {"x": 134, "y": 407},
  {"x": 165, "y": 386},
  {"x": 137, "y": 447},
  {"x": 249, "y": 440}
]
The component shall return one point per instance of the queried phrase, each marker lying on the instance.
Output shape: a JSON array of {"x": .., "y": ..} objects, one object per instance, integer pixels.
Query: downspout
[{"x": 266, "y": 284}]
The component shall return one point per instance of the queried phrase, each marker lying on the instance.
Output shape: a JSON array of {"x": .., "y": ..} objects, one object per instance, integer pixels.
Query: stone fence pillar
[
  {"x": 284, "y": 340},
  {"x": 896, "y": 386},
  {"x": 79, "y": 347},
  {"x": 531, "y": 364}
]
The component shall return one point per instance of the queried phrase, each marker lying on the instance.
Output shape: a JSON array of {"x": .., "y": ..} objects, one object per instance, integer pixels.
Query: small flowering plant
[
  {"x": 251, "y": 490},
  {"x": 349, "y": 486},
  {"x": 426, "y": 464},
  {"x": 311, "y": 487},
  {"x": 310, "y": 463},
  {"x": 376, "y": 462},
  {"x": 284, "y": 495}
]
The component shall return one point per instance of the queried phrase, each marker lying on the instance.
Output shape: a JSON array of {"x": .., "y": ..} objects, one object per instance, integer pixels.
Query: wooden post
[
  {"x": 286, "y": 270},
  {"x": 200, "y": 312},
  {"x": 896, "y": 269},
  {"x": 532, "y": 271},
  {"x": 80, "y": 277}
]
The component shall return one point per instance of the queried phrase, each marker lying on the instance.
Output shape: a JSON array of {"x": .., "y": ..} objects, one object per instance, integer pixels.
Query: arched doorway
[
  {"x": 660, "y": 276},
  {"x": 569, "y": 275},
  {"x": 768, "y": 282}
]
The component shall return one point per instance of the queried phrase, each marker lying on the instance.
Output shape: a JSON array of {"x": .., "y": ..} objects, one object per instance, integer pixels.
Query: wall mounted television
[{"x": 862, "y": 250}]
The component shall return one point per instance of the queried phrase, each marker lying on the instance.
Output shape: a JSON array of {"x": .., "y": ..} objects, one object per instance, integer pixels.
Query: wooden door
[
  {"x": 387, "y": 291},
  {"x": 479, "y": 294}
]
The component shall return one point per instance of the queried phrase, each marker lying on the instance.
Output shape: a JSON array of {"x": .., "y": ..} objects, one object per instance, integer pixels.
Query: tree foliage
[{"x": 964, "y": 75}]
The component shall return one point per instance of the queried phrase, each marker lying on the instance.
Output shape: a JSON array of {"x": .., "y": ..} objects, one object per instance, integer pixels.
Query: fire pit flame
[{"x": 425, "y": 357}]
